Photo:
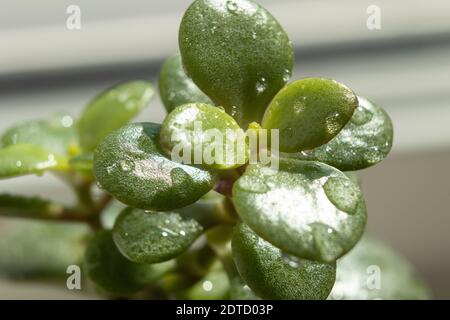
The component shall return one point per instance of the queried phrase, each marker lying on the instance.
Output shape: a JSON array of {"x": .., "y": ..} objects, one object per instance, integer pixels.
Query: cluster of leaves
[{"x": 271, "y": 234}]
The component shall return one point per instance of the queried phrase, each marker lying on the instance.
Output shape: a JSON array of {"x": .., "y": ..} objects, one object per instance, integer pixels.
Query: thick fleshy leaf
[
  {"x": 111, "y": 110},
  {"x": 131, "y": 166},
  {"x": 36, "y": 250},
  {"x": 364, "y": 141},
  {"x": 151, "y": 237},
  {"x": 272, "y": 274},
  {"x": 374, "y": 271},
  {"x": 198, "y": 133},
  {"x": 176, "y": 88},
  {"x": 23, "y": 159},
  {"x": 27, "y": 207},
  {"x": 309, "y": 113},
  {"x": 57, "y": 134},
  {"x": 306, "y": 208},
  {"x": 237, "y": 53},
  {"x": 114, "y": 273}
]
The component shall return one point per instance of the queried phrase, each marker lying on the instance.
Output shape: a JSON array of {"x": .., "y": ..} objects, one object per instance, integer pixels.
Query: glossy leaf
[
  {"x": 176, "y": 88},
  {"x": 374, "y": 271},
  {"x": 309, "y": 113},
  {"x": 237, "y": 53},
  {"x": 114, "y": 273},
  {"x": 272, "y": 274},
  {"x": 37, "y": 250},
  {"x": 150, "y": 237},
  {"x": 131, "y": 166},
  {"x": 364, "y": 141},
  {"x": 56, "y": 134},
  {"x": 23, "y": 159},
  {"x": 203, "y": 134},
  {"x": 112, "y": 109},
  {"x": 306, "y": 208},
  {"x": 27, "y": 207}
]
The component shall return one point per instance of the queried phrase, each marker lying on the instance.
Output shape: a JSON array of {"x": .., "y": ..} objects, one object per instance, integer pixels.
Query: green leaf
[
  {"x": 272, "y": 274},
  {"x": 309, "y": 113},
  {"x": 364, "y": 141},
  {"x": 56, "y": 134},
  {"x": 112, "y": 272},
  {"x": 109, "y": 215},
  {"x": 176, "y": 88},
  {"x": 241, "y": 291},
  {"x": 213, "y": 286},
  {"x": 23, "y": 159},
  {"x": 237, "y": 53},
  {"x": 150, "y": 237},
  {"x": 374, "y": 271},
  {"x": 131, "y": 166},
  {"x": 27, "y": 207},
  {"x": 203, "y": 134},
  {"x": 306, "y": 208},
  {"x": 38, "y": 250},
  {"x": 112, "y": 109},
  {"x": 83, "y": 163}
]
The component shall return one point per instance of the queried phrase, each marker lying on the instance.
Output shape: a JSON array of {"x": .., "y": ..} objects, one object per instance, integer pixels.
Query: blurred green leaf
[
  {"x": 306, "y": 208},
  {"x": 38, "y": 250},
  {"x": 271, "y": 274},
  {"x": 112, "y": 109},
  {"x": 364, "y": 141},
  {"x": 27, "y": 207},
  {"x": 23, "y": 159},
  {"x": 213, "y": 286},
  {"x": 57, "y": 134},
  {"x": 242, "y": 59},
  {"x": 220, "y": 141},
  {"x": 83, "y": 163},
  {"x": 114, "y": 273},
  {"x": 374, "y": 271},
  {"x": 131, "y": 166},
  {"x": 241, "y": 291},
  {"x": 151, "y": 237},
  {"x": 309, "y": 112},
  {"x": 176, "y": 88}
]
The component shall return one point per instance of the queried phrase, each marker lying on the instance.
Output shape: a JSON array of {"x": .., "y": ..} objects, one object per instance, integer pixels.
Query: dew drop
[
  {"x": 126, "y": 165},
  {"x": 207, "y": 285},
  {"x": 343, "y": 194},
  {"x": 292, "y": 261},
  {"x": 286, "y": 75},
  {"x": 18, "y": 163},
  {"x": 361, "y": 116},
  {"x": 261, "y": 86},
  {"x": 232, "y": 6},
  {"x": 67, "y": 121}
]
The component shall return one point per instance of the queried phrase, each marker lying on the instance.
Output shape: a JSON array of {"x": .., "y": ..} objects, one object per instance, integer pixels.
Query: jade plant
[{"x": 147, "y": 224}]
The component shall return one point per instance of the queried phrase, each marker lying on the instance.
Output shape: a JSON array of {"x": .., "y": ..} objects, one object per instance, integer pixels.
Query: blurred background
[{"x": 404, "y": 67}]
